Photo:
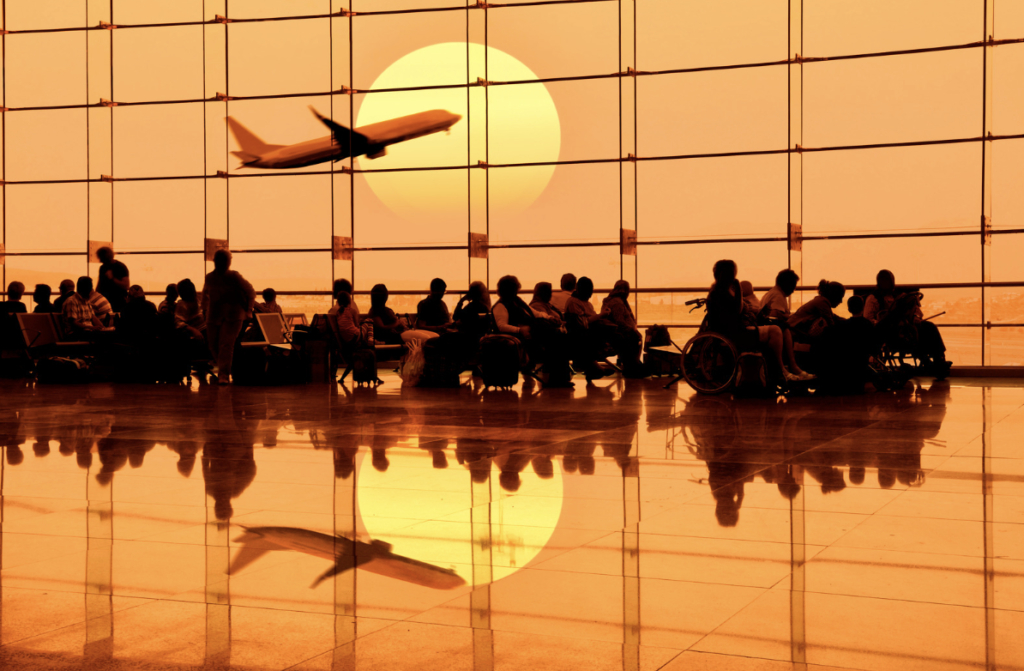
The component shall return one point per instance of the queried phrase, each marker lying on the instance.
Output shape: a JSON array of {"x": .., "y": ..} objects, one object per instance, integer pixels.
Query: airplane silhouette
[
  {"x": 371, "y": 140},
  {"x": 347, "y": 554}
]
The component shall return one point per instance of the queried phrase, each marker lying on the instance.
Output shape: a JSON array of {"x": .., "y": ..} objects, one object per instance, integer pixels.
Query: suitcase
[
  {"x": 751, "y": 375},
  {"x": 364, "y": 367},
  {"x": 500, "y": 358},
  {"x": 440, "y": 369},
  {"x": 62, "y": 370}
]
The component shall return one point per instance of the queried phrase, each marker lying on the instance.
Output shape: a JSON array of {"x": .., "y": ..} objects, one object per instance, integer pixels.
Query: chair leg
[{"x": 348, "y": 369}]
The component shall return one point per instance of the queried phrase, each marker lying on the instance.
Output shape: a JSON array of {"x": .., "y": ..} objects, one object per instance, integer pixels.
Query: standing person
[
  {"x": 559, "y": 298},
  {"x": 41, "y": 297},
  {"x": 432, "y": 313},
  {"x": 67, "y": 287},
  {"x": 113, "y": 282},
  {"x": 228, "y": 300}
]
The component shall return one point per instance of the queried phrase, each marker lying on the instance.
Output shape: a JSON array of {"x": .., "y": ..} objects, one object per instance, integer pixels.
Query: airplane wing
[
  {"x": 343, "y": 135},
  {"x": 255, "y": 546}
]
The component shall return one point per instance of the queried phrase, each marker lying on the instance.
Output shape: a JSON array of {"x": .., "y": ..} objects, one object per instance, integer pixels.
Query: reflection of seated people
[{"x": 186, "y": 451}]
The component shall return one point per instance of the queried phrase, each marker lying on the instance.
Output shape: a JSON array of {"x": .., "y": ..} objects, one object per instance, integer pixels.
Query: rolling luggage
[
  {"x": 500, "y": 358},
  {"x": 440, "y": 367},
  {"x": 364, "y": 367}
]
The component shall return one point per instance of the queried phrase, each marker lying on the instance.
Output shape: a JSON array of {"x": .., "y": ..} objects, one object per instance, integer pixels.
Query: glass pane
[
  {"x": 45, "y": 145},
  {"x": 912, "y": 260},
  {"x": 261, "y": 9},
  {"x": 1011, "y": 21},
  {"x": 437, "y": 149},
  {"x": 673, "y": 35},
  {"x": 712, "y": 112},
  {"x": 133, "y": 12},
  {"x": 713, "y": 197},
  {"x": 283, "y": 121},
  {"x": 412, "y": 271},
  {"x": 690, "y": 265},
  {"x": 36, "y": 15},
  {"x": 1007, "y": 305},
  {"x": 160, "y": 216},
  {"x": 932, "y": 188},
  {"x": 548, "y": 264},
  {"x": 369, "y": 6},
  {"x": 411, "y": 208},
  {"x": 564, "y": 121},
  {"x": 1007, "y": 251},
  {"x": 286, "y": 271},
  {"x": 670, "y": 308},
  {"x": 1007, "y": 347},
  {"x": 963, "y": 345},
  {"x": 158, "y": 64},
  {"x": 557, "y": 40},
  {"x": 933, "y": 96},
  {"x": 141, "y": 152},
  {"x": 47, "y": 217},
  {"x": 50, "y": 270},
  {"x": 866, "y": 26},
  {"x": 258, "y": 68},
  {"x": 280, "y": 213},
  {"x": 1007, "y": 94},
  {"x": 1007, "y": 196},
  {"x": 153, "y": 272},
  {"x": 567, "y": 203},
  {"x": 45, "y": 69},
  {"x": 401, "y": 50}
]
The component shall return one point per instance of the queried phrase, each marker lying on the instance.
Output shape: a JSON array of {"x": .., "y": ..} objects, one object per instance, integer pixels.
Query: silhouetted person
[
  {"x": 188, "y": 313},
  {"x": 774, "y": 309},
  {"x": 227, "y": 470},
  {"x": 472, "y": 316},
  {"x": 138, "y": 318},
  {"x": 67, "y": 287},
  {"x": 929, "y": 346},
  {"x": 625, "y": 337},
  {"x": 113, "y": 282},
  {"x": 13, "y": 304},
  {"x": 560, "y": 297},
  {"x": 79, "y": 313},
  {"x": 541, "y": 301},
  {"x": 41, "y": 297},
  {"x": 227, "y": 301},
  {"x": 432, "y": 313},
  {"x": 170, "y": 300},
  {"x": 269, "y": 304}
]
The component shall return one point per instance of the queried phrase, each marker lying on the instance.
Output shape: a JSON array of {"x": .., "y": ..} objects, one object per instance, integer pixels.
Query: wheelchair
[
  {"x": 709, "y": 360},
  {"x": 899, "y": 357}
]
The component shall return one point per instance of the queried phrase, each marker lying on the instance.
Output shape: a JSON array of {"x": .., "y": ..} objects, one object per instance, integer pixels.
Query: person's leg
[
  {"x": 771, "y": 336},
  {"x": 213, "y": 340},
  {"x": 787, "y": 344},
  {"x": 226, "y": 347}
]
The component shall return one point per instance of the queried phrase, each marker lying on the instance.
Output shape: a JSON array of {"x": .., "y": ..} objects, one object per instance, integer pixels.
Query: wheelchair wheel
[{"x": 709, "y": 363}]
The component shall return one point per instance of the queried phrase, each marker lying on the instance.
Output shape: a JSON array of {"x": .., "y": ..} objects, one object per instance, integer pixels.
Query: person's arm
[
  {"x": 250, "y": 295},
  {"x": 120, "y": 278},
  {"x": 500, "y": 313},
  {"x": 871, "y": 309}
]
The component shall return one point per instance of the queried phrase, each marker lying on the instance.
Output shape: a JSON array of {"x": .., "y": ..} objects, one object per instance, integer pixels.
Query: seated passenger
[
  {"x": 78, "y": 311},
  {"x": 543, "y": 300},
  {"x": 751, "y": 305},
  {"x": 138, "y": 318},
  {"x": 813, "y": 317},
  {"x": 387, "y": 326},
  {"x": 41, "y": 297},
  {"x": 843, "y": 352},
  {"x": 170, "y": 300},
  {"x": 538, "y": 331},
  {"x": 726, "y": 316},
  {"x": 432, "y": 312},
  {"x": 773, "y": 308},
  {"x": 625, "y": 338},
  {"x": 346, "y": 319},
  {"x": 929, "y": 348},
  {"x": 269, "y": 304},
  {"x": 559, "y": 298},
  {"x": 101, "y": 306},
  {"x": 340, "y": 285},
  {"x": 472, "y": 314},
  {"x": 13, "y": 304},
  {"x": 10, "y": 329},
  {"x": 66, "y": 288},
  {"x": 578, "y": 305},
  {"x": 188, "y": 315}
]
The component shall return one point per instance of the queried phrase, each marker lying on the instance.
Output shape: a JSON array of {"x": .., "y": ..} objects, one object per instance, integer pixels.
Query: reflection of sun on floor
[{"x": 435, "y": 515}]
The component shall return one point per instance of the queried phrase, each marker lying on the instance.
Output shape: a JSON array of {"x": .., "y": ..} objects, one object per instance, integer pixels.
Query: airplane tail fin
[
  {"x": 245, "y": 157},
  {"x": 248, "y": 141}
]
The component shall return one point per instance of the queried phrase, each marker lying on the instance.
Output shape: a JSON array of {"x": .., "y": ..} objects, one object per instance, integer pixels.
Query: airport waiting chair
[
  {"x": 42, "y": 337},
  {"x": 293, "y": 319}
]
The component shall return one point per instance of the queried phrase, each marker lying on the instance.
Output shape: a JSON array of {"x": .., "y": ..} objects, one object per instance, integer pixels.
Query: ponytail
[{"x": 822, "y": 287}]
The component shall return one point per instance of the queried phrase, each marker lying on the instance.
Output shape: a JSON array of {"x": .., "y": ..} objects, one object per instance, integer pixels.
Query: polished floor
[{"x": 614, "y": 526}]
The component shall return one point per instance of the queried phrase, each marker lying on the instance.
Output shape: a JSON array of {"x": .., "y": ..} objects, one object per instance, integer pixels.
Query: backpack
[
  {"x": 657, "y": 336},
  {"x": 500, "y": 359},
  {"x": 751, "y": 375}
]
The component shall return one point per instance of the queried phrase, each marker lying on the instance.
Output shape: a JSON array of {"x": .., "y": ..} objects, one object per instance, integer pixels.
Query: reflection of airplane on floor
[
  {"x": 371, "y": 140},
  {"x": 375, "y": 556}
]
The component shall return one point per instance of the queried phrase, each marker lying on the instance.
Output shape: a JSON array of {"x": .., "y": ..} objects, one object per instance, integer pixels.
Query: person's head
[
  {"x": 42, "y": 294},
  {"x": 15, "y": 290},
  {"x": 787, "y": 281},
  {"x": 568, "y": 282},
  {"x": 832, "y": 291},
  {"x": 171, "y": 292},
  {"x": 477, "y": 291},
  {"x": 584, "y": 288},
  {"x": 508, "y": 287},
  {"x": 67, "y": 287},
  {"x": 341, "y": 284},
  {"x": 84, "y": 286},
  {"x": 621, "y": 289},
  {"x": 438, "y": 287},
  {"x": 885, "y": 282},
  {"x": 855, "y": 304},
  {"x": 542, "y": 292},
  {"x": 746, "y": 288},
  {"x": 221, "y": 260},
  {"x": 136, "y": 293},
  {"x": 105, "y": 254},
  {"x": 344, "y": 299},
  {"x": 378, "y": 296},
  {"x": 724, "y": 271},
  {"x": 269, "y": 295},
  {"x": 187, "y": 291}
]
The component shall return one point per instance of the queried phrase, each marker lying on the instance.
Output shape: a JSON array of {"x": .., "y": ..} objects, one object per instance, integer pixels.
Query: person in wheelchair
[
  {"x": 727, "y": 317},
  {"x": 902, "y": 325}
]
